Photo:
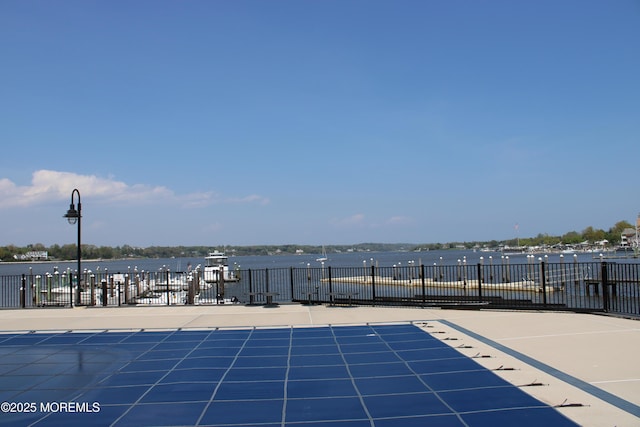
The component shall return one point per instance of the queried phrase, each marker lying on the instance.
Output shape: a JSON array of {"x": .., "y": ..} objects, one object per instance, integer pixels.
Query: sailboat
[{"x": 324, "y": 255}]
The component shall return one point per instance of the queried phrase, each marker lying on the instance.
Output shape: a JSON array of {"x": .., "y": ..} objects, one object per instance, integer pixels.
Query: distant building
[
  {"x": 33, "y": 256},
  {"x": 628, "y": 238}
]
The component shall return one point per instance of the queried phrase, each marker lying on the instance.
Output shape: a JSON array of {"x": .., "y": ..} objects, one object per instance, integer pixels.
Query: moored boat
[{"x": 216, "y": 269}]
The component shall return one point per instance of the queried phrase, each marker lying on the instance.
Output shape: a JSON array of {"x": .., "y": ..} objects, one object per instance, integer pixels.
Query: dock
[{"x": 519, "y": 286}]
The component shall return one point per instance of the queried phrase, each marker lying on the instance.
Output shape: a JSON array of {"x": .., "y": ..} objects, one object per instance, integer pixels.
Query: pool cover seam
[
  {"x": 217, "y": 387},
  {"x": 286, "y": 380},
  {"x": 351, "y": 377},
  {"x": 167, "y": 372},
  {"x": 435, "y": 393},
  {"x": 597, "y": 392}
]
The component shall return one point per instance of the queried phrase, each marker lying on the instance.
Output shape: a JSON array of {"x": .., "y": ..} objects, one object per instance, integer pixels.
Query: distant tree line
[{"x": 68, "y": 252}]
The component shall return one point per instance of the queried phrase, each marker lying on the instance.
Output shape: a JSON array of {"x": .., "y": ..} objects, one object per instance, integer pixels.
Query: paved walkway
[{"x": 586, "y": 365}]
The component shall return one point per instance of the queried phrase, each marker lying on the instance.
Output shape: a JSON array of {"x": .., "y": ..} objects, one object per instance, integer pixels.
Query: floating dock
[{"x": 520, "y": 286}]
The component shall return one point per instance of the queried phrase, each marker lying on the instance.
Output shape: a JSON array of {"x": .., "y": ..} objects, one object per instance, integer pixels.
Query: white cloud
[
  {"x": 196, "y": 200},
  {"x": 48, "y": 185}
]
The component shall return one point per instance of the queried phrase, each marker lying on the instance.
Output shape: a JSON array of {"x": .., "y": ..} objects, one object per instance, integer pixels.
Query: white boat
[
  {"x": 178, "y": 283},
  {"x": 323, "y": 258},
  {"x": 154, "y": 297},
  {"x": 55, "y": 296},
  {"x": 217, "y": 267}
]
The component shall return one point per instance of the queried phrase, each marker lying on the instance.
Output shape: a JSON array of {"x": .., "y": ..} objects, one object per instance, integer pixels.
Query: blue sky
[{"x": 317, "y": 122}]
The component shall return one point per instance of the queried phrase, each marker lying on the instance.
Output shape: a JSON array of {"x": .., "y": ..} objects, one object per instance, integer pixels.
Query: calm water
[{"x": 347, "y": 259}]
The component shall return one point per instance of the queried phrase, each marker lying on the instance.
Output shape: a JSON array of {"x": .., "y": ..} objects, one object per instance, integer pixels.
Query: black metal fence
[{"x": 595, "y": 286}]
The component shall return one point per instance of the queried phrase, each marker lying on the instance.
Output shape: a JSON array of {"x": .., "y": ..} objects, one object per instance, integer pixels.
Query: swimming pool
[{"x": 363, "y": 375}]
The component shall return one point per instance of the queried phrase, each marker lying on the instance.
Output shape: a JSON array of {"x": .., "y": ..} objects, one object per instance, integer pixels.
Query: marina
[
  {"x": 342, "y": 259},
  {"x": 448, "y": 278}
]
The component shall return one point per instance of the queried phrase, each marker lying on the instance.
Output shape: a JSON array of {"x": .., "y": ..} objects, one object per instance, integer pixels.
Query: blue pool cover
[{"x": 333, "y": 376}]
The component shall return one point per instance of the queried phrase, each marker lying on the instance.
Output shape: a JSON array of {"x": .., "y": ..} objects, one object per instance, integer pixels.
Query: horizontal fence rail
[{"x": 591, "y": 287}]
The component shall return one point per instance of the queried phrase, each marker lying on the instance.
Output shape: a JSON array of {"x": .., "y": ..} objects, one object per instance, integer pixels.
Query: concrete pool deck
[{"x": 585, "y": 365}]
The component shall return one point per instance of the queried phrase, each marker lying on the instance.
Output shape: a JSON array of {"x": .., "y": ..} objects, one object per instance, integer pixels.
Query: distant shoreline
[{"x": 65, "y": 261}]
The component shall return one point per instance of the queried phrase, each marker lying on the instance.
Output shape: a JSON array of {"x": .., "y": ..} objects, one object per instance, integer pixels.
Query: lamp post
[{"x": 74, "y": 216}]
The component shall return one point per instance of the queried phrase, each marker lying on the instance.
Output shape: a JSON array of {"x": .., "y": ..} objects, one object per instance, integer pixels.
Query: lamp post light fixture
[{"x": 74, "y": 216}]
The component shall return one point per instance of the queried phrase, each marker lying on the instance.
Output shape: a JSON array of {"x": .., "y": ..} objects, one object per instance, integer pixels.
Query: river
[{"x": 344, "y": 259}]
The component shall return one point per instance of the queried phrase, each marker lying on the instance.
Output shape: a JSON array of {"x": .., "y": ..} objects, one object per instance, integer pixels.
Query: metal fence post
[
  {"x": 250, "y": 287},
  {"x": 604, "y": 276},
  {"x": 291, "y": 282},
  {"x": 424, "y": 296},
  {"x": 23, "y": 297},
  {"x": 373, "y": 284},
  {"x": 543, "y": 280},
  {"x": 220, "y": 294},
  {"x": 330, "y": 283},
  {"x": 168, "y": 288},
  {"x": 71, "y": 287},
  {"x": 480, "y": 282},
  {"x": 105, "y": 292}
]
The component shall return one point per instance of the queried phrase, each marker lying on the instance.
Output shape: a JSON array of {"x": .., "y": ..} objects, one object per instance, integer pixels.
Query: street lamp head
[{"x": 72, "y": 214}]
